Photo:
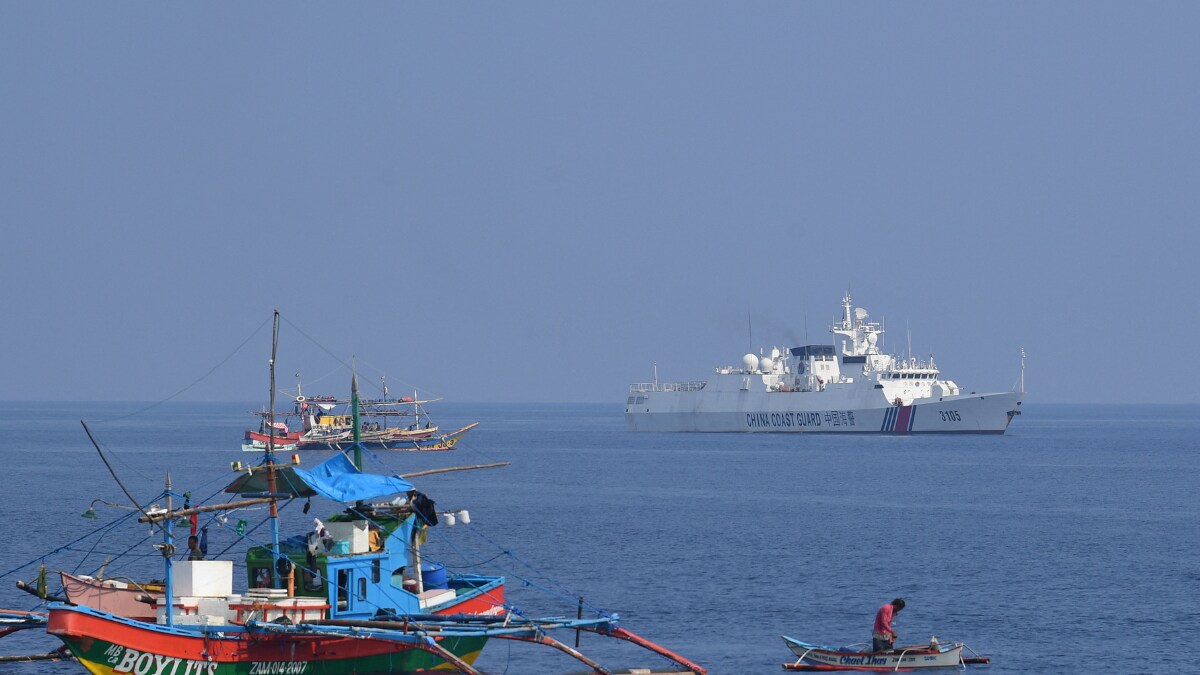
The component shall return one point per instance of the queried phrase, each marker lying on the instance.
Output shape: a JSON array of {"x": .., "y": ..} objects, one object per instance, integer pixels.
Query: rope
[
  {"x": 344, "y": 364},
  {"x": 246, "y": 536},
  {"x": 110, "y": 526},
  {"x": 313, "y": 340},
  {"x": 562, "y": 592},
  {"x": 114, "y": 474},
  {"x": 194, "y": 383},
  {"x": 62, "y": 548}
]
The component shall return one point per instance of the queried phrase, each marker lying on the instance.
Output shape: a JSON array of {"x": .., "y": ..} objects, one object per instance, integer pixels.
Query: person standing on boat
[
  {"x": 198, "y": 548},
  {"x": 883, "y": 638}
]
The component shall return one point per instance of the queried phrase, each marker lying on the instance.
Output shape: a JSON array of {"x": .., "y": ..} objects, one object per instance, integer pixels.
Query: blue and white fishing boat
[{"x": 353, "y": 597}]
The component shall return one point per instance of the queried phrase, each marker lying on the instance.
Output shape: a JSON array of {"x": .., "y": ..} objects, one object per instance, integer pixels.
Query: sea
[{"x": 1071, "y": 544}]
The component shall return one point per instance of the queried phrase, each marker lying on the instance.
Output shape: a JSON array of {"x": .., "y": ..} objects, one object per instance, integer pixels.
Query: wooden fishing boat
[
  {"x": 812, "y": 657},
  {"x": 351, "y": 597},
  {"x": 121, "y": 597},
  {"x": 261, "y": 446}
]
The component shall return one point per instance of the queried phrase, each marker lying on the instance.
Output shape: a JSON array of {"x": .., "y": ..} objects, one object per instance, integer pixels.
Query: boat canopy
[{"x": 336, "y": 478}]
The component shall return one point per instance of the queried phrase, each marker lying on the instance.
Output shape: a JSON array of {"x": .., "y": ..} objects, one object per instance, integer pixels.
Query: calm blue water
[{"x": 1072, "y": 544}]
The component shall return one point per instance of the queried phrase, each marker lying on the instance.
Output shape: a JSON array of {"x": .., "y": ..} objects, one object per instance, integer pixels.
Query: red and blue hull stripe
[{"x": 899, "y": 419}]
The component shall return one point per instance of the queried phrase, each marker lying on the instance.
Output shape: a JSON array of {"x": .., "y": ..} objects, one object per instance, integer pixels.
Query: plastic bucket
[{"x": 433, "y": 575}]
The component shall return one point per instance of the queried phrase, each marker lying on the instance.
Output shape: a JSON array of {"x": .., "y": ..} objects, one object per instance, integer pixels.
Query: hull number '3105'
[{"x": 950, "y": 416}]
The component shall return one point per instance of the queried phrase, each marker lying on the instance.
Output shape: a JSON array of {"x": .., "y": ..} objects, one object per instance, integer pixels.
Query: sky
[{"x": 539, "y": 201}]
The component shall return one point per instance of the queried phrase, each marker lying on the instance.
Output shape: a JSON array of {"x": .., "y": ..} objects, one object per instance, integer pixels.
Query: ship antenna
[
  {"x": 656, "y": 376},
  {"x": 750, "y": 327},
  {"x": 908, "y": 332},
  {"x": 1022, "y": 370}
]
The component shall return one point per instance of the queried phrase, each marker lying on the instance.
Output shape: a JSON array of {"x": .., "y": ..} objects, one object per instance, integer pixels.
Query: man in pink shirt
[{"x": 883, "y": 637}]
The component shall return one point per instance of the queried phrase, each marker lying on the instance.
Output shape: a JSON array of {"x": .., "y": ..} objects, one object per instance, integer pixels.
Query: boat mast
[
  {"x": 354, "y": 414},
  {"x": 269, "y": 460},
  {"x": 169, "y": 554}
]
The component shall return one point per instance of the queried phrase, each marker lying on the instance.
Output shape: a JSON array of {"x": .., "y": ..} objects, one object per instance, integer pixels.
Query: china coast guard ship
[{"x": 815, "y": 388}]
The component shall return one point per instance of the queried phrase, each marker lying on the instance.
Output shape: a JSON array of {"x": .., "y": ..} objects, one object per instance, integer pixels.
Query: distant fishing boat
[
  {"x": 257, "y": 445},
  {"x": 383, "y": 424}
]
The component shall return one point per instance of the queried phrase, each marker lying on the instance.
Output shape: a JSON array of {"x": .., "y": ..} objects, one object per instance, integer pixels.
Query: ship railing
[{"x": 643, "y": 387}]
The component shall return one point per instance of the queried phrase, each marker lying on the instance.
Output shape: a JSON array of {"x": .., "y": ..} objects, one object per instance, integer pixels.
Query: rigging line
[
  {"x": 562, "y": 592},
  {"x": 115, "y": 477},
  {"x": 60, "y": 548},
  {"x": 313, "y": 340},
  {"x": 326, "y": 376},
  {"x": 473, "y": 565},
  {"x": 194, "y": 383},
  {"x": 99, "y": 539},
  {"x": 338, "y": 358},
  {"x": 409, "y": 385},
  {"x": 245, "y": 537},
  {"x": 114, "y": 554}
]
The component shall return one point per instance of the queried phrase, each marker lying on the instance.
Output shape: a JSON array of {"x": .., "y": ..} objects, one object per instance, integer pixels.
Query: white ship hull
[
  {"x": 814, "y": 412},
  {"x": 849, "y": 387}
]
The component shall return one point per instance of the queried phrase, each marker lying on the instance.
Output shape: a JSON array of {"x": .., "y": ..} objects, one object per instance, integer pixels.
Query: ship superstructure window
[{"x": 815, "y": 352}]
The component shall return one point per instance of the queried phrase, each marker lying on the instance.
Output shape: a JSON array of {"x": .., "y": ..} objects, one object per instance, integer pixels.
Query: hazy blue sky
[{"x": 535, "y": 201}]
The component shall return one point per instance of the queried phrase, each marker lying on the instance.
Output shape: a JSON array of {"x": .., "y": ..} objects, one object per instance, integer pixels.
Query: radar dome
[
  {"x": 766, "y": 364},
  {"x": 750, "y": 361}
]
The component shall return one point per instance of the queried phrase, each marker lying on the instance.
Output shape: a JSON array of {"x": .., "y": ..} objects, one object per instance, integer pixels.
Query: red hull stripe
[{"x": 899, "y": 419}]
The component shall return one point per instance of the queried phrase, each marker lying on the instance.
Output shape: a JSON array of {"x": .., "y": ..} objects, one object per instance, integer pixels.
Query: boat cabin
[{"x": 367, "y": 568}]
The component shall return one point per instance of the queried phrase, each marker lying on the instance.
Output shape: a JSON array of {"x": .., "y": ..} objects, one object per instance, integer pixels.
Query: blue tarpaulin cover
[{"x": 336, "y": 478}]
